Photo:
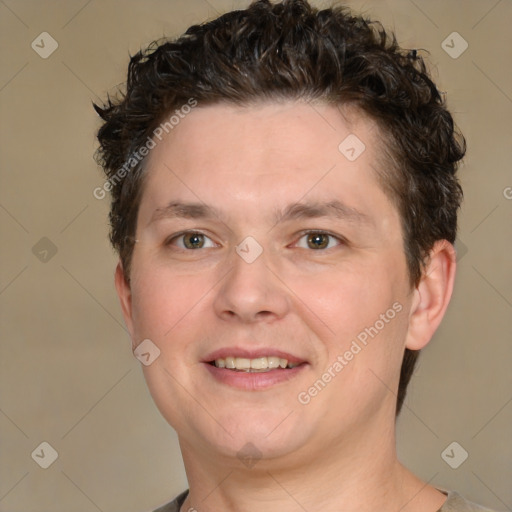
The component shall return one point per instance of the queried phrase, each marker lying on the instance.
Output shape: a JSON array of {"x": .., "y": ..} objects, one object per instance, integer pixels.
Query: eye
[
  {"x": 319, "y": 240},
  {"x": 189, "y": 240}
]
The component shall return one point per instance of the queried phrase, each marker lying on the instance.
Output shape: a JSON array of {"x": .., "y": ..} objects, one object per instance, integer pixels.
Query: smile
[{"x": 259, "y": 364}]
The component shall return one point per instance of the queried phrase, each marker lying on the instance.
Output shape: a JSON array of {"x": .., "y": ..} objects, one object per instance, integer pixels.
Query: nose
[{"x": 252, "y": 291}]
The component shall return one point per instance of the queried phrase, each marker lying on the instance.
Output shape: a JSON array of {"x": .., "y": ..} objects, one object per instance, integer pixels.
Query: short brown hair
[{"x": 291, "y": 50}]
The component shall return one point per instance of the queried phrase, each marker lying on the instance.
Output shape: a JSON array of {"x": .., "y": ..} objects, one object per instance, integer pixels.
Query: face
[{"x": 260, "y": 241}]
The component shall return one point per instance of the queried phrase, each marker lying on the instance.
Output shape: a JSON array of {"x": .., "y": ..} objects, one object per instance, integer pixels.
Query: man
[{"x": 284, "y": 204}]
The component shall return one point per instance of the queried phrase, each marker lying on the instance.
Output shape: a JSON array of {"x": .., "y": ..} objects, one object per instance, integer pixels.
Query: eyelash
[{"x": 340, "y": 239}]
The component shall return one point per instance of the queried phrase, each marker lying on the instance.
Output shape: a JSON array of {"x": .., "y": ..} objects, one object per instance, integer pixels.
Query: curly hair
[{"x": 293, "y": 51}]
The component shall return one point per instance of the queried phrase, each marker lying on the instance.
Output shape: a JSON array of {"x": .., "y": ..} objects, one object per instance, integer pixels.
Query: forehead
[
  {"x": 280, "y": 133},
  {"x": 266, "y": 153}
]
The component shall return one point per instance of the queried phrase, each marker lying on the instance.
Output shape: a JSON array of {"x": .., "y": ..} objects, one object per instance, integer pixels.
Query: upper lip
[{"x": 252, "y": 353}]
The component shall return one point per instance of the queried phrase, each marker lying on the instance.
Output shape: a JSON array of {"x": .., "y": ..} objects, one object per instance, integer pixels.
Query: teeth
[
  {"x": 273, "y": 362},
  {"x": 242, "y": 364},
  {"x": 254, "y": 365},
  {"x": 259, "y": 364}
]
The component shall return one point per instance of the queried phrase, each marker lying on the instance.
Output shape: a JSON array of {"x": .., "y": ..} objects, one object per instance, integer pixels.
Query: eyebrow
[{"x": 294, "y": 211}]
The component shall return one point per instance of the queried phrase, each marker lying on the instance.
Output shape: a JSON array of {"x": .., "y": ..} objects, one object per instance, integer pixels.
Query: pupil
[{"x": 316, "y": 240}]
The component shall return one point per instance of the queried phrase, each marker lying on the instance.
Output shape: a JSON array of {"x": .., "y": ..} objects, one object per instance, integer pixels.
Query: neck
[{"x": 361, "y": 473}]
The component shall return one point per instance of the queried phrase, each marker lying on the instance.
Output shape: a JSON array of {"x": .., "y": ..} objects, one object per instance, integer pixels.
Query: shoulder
[
  {"x": 174, "y": 505},
  {"x": 456, "y": 503}
]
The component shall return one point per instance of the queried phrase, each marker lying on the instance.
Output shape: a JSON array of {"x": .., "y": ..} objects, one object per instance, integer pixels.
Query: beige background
[{"x": 67, "y": 373}]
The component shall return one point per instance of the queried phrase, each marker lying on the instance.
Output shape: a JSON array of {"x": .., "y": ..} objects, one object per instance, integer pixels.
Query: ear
[
  {"x": 431, "y": 295},
  {"x": 125, "y": 297}
]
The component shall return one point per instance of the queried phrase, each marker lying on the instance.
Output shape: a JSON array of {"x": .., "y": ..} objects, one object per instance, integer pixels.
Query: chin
[
  {"x": 252, "y": 451},
  {"x": 260, "y": 440}
]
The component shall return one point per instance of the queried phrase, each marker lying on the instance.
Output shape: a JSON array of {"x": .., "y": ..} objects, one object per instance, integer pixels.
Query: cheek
[
  {"x": 363, "y": 329},
  {"x": 163, "y": 302},
  {"x": 168, "y": 309},
  {"x": 363, "y": 311},
  {"x": 349, "y": 298}
]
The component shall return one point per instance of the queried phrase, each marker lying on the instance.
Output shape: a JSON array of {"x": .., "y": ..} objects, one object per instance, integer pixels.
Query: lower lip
[{"x": 253, "y": 381}]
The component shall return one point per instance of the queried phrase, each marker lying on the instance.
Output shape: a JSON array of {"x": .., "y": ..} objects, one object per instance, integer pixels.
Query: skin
[{"x": 338, "y": 451}]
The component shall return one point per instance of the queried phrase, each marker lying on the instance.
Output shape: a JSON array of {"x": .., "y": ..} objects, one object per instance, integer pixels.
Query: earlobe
[
  {"x": 432, "y": 295},
  {"x": 125, "y": 296}
]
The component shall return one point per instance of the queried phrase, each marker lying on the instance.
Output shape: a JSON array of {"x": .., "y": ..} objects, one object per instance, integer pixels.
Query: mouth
[
  {"x": 256, "y": 365},
  {"x": 253, "y": 369}
]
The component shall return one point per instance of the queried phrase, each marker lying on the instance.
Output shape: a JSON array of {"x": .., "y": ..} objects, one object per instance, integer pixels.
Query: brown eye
[
  {"x": 319, "y": 240},
  {"x": 193, "y": 240}
]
